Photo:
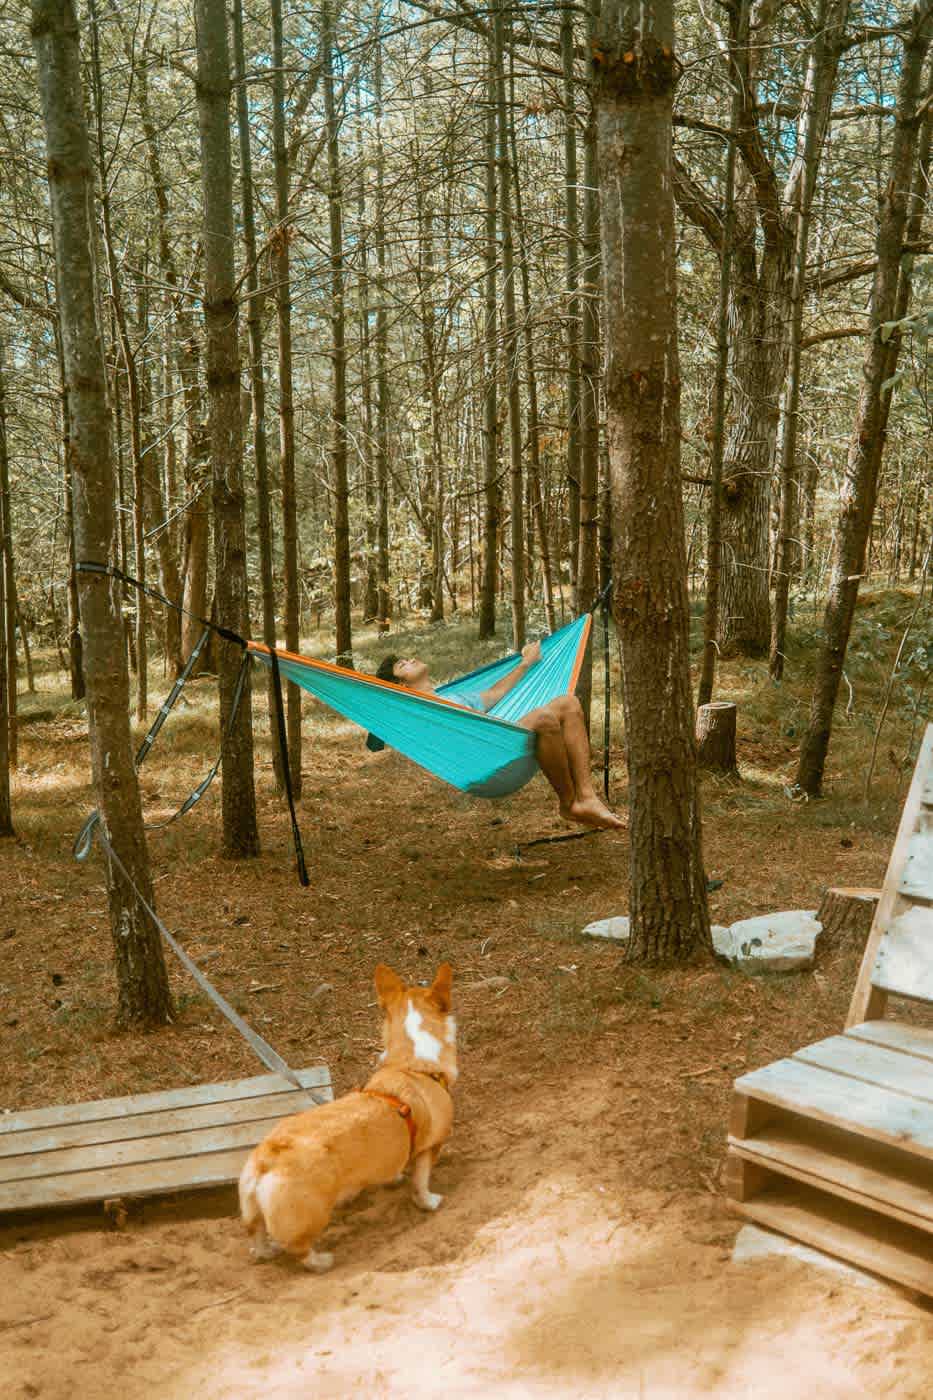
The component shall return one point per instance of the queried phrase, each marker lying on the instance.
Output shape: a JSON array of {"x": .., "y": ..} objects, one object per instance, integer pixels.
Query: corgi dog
[{"x": 319, "y": 1159}]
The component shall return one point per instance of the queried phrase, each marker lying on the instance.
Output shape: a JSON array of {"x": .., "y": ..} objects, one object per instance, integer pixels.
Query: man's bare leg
[{"x": 563, "y": 751}]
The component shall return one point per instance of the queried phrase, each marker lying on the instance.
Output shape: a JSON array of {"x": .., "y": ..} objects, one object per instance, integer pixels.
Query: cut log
[
  {"x": 846, "y": 912},
  {"x": 716, "y": 737}
]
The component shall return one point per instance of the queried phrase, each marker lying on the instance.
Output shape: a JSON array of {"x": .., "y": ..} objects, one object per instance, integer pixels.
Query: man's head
[{"x": 403, "y": 671}]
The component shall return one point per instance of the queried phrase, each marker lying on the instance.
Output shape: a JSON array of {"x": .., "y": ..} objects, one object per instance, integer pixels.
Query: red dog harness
[{"x": 402, "y": 1108}]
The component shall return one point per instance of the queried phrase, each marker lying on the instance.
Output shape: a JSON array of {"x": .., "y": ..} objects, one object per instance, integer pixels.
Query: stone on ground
[
  {"x": 752, "y": 1242},
  {"x": 782, "y": 942}
]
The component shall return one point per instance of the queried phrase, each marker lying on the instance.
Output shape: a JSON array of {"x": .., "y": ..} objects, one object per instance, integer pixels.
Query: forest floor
[{"x": 584, "y": 1246}]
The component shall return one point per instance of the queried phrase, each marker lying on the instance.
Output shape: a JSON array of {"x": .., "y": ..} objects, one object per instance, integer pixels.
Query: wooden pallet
[
  {"x": 145, "y": 1145},
  {"x": 834, "y": 1146}
]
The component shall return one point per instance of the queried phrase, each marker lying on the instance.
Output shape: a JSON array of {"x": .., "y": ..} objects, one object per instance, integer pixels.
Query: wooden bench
[
  {"x": 147, "y": 1144},
  {"x": 834, "y": 1146}
]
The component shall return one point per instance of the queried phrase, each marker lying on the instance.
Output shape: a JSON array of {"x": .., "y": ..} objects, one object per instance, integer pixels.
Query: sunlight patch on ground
[{"x": 569, "y": 1293}]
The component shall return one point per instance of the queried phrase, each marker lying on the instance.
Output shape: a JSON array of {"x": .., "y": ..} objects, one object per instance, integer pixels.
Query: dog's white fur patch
[
  {"x": 426, "y": 1045},
  {"x": 450, "y": 1033}
]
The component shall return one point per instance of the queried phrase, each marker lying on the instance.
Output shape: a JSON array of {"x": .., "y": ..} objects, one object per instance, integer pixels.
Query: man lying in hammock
[{"x": 562, "y": 745}]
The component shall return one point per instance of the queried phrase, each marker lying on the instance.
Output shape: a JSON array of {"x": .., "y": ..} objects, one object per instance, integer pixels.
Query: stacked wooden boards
[
  {"x": 834, "y": 1146},
  {"x": 148, "y": 1144}
]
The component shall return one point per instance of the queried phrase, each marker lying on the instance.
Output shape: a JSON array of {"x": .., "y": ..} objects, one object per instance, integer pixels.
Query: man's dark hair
[{"x": 385, "y": 671}]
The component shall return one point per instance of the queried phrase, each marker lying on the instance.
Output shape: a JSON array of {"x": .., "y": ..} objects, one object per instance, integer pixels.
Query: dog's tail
[{"x": 250, "y": 1208}]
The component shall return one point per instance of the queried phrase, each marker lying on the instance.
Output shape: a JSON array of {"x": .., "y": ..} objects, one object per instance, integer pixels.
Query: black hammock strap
[{"x": 85, "y": 837}]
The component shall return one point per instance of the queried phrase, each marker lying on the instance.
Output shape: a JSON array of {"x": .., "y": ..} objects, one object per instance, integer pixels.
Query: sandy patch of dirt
[{"x": 584, "y": 1244}]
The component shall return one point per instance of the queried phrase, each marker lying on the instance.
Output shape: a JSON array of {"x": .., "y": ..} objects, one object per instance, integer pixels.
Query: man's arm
[{"x": 531, "y": 655}]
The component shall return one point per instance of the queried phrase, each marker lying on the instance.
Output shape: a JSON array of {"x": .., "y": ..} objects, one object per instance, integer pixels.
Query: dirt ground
[{"x": 583, "y": 1247}]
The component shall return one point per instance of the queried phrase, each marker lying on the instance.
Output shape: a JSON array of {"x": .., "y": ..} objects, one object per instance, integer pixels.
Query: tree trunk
[
  {"x": 158, "y": 498},
  {"x": 141, "y": 974},
  {"x": 339, "y": 478},
  {"x": 132, "y": 378},
  {"x": 257, "y": 378},
  {"x": 281, "y": 265},
  {"x": 758, "y": 336},
  {"x": 371, "y": 586},
  {"x": 6, "y": 809},
  {"x": 510, "y": 347},
  {"x": 815, "y": 102},
  {"x": 384, "y": 608},
  {"x": 635, "y": 69},
  {"x": 889, "y": 301},
  {"x": 588, "y": 547},
  {"x": 8, "y": 611},
  {"x": 738, "y": 52},
  {"x": 535, "y": 488},
  {"x": 430, "y": 450},
  {"x": 846, "y": 913},
  {"x": 487, "y": 595},
  {"x": 572, "y": 282},
  {"x": 716, "y": 736},
  {"x": 240, "y": 834}
]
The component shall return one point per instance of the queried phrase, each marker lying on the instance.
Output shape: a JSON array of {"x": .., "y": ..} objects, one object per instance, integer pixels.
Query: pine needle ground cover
[{"x": 594, "y": 1094}]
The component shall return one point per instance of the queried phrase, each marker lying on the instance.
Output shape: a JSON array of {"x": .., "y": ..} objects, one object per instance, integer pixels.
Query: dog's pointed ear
[
  {"x": 388, "y": 984},
  {"x": 440, "y": 987}
]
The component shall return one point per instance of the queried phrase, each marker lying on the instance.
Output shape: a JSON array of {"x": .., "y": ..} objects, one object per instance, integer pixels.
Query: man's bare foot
[{"x": 591, "y": 811}]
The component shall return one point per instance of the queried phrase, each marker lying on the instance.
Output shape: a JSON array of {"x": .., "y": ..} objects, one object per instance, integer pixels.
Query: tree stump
[
  {"x": 716, "y": 737},
  {"x": 846, "y": 912}
]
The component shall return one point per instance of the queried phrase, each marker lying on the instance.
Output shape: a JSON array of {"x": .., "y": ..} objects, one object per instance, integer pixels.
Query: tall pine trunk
[
  {"x": 8, "y": 612},
  {"x": 339, "y": 449},
  {"x": 817, "y": 97},
  {"x": 240, "y": 834},
  {"x": 384, "y": 597},
  {"x": 141, "y": 974},
  {"x": 281, "y": 265},
  {"x": 257, "y": 377},
  {"x": 635, "y": 71},
  {"x": 572, "y": 283},
  {"x": 738, "y": 51},
  {"x": 487, "y": 593},
  {"x": 889, "y": 301},
  {"x": 6, "y": 810},
  {"x": 511, "y": 345}
]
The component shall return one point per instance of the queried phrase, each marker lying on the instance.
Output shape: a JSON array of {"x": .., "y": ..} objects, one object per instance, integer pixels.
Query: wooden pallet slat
[
  {"x": 904, "y": 965},
  {"x": 862, "y": 1237},
  {"x": 917, "y": 879},
  {"x": 871, "y": 1064},
  {"x": 148, "y": 1144},
  {"x": 145, "y": 1125},
  {"x": 136, "y": 1179},
  {"x": 896, "y": 1035},
  {"x": 844, "y": 1102},
  {"x": 866, "y": 1172},
  {"x": 159, "y": 1099},
  {"x": 111, "y": 1155}
]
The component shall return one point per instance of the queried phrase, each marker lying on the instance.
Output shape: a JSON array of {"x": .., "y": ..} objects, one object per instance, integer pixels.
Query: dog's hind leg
[
  {"x": 420, "y": 1179},
  {"x": 260, "y": 1245}
]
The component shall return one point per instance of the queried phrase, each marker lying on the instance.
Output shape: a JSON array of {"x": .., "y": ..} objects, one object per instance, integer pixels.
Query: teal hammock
[{"x": 485, "y": 754}]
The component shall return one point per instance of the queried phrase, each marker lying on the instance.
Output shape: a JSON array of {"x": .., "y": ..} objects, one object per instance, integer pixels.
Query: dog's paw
[
  {"x": 268, "y": 1249},
  {"x": 318, "y": 1262},
  {"x": 428, "y": 1200}
]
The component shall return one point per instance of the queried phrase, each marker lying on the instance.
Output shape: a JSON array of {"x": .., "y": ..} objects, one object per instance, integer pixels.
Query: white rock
[
  {"x": 616, "y": 928},
  {"x": 754, "y": 1243},
  {"x": 771, "y": 942}
]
